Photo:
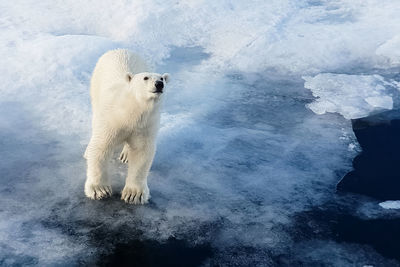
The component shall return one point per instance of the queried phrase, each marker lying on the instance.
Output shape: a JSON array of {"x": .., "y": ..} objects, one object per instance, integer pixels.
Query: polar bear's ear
[
  {"x": 128, "y": 77},
  {"x": 166, "y": 77}
]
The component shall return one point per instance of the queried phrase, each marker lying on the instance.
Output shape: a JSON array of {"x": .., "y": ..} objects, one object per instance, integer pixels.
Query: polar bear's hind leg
[{"x": 97, "y": 184}]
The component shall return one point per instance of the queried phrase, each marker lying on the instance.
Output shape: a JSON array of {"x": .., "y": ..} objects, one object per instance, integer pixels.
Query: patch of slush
[{"x": 390, "y": 204}]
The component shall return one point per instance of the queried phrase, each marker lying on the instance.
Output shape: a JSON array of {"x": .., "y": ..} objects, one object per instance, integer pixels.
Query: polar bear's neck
[{"x": 145, "y": 113}]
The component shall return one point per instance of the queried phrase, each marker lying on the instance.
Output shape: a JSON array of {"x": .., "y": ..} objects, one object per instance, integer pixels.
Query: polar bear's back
[{"x": 112, "y": 68}]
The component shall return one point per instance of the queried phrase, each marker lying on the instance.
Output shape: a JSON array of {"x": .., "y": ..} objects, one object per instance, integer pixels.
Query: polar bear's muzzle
[{"x": 159, "y": 87}]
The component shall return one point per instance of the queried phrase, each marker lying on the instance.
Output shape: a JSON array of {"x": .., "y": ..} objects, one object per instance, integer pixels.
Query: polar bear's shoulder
[{"x": 111, "y": 70}]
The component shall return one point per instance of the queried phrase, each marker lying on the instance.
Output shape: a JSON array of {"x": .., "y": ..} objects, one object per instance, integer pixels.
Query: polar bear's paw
[
  {"x": 134, "y": 194},
  {"x": 98, "y": 191},
  {"x": 123, "y": 157}
]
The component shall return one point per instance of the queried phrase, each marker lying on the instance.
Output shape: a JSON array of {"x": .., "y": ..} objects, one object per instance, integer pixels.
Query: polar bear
[{"x": 126, "y": 101}]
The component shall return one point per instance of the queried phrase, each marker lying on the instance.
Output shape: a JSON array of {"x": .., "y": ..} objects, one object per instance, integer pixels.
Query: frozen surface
[
  {"x": 239, "y": 153},
  {"x": 391, "y": 50},
  {"x": 353, "y": 96},
  {"x": 390, "y": 204}
]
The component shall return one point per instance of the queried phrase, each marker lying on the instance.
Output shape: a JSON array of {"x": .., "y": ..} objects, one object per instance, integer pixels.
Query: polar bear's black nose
[{"x": 159, "y": 86}]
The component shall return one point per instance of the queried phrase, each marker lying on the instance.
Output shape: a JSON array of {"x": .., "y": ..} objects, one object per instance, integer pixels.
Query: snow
[
  {"x": 390, "y": 204},
  {"x": 239, "y": 153},
  {"x": 391, "y": 51}
]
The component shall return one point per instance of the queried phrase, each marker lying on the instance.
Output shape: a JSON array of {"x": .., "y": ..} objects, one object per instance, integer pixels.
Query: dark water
[
  {"x": 377, "y": 168},
  {"x": 173, "y": 252},
  {"x": 376, "y": 175}
]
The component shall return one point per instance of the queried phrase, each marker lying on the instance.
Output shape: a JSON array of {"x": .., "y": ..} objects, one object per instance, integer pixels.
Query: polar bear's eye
[
  {"x": 146, "y": 78},
  {"x": 162, "y": 79}
]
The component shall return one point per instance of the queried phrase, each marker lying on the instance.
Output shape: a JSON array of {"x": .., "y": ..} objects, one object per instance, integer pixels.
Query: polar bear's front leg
[
  {"x": 97, "y": 185},
  {"x": 123, "y": 157},
  {"x": 136, "y": 190}
]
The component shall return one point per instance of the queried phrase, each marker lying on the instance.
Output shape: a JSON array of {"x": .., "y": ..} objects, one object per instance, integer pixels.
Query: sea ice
[
  {"x": 390, "y": 204},
  {"x": 353, "y": 96}
]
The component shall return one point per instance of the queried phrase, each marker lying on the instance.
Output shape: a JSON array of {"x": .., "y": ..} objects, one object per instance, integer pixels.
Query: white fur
[{"x": 125, "y": 110}]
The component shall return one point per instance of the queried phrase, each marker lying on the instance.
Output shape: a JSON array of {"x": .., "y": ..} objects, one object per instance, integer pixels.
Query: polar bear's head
[{"x": 146, "y": 85}]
